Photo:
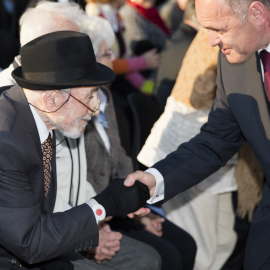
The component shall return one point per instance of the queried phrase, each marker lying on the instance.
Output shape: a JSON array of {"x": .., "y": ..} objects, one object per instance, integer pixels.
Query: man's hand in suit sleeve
[
  {"x": 146, "y": 178},
  {"x": 119, "y": 200},
  {"x": 109, "y": 244}
]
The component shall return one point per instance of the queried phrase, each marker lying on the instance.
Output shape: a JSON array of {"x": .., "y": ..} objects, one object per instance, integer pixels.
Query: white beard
[{"x": 74, "y": 132}]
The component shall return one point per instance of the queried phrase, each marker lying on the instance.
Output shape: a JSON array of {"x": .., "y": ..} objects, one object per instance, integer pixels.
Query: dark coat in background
[
  {"x": 239, "y": 114},
  {"x": 9, "y": 32},
  {"x": 30, "y": 231}
]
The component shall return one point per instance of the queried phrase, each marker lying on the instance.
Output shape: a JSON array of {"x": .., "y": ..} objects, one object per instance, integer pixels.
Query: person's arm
[
  {"x": 34, "y": 235},
  {"x": 193, "y": 161},
  {"x": 149, "y": 60}
]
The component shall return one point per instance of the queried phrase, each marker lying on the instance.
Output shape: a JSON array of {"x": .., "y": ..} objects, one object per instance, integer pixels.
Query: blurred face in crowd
[
  {"x": 238, "y": 40},
  {"x": 105, "y": 56},
  {"x": 71, "y": 119},
  {"x": 147, "y": 4}
]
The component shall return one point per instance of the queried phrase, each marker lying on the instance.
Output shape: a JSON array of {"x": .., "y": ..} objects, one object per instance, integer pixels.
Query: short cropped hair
[{"x": 240, "y": 7}]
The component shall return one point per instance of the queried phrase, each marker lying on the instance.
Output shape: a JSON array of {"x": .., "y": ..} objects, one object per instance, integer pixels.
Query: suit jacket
[
  {"x": 102, "y": 166},
  {"x": 30, "y": 232},
  {"x": 240, "y": 113}
]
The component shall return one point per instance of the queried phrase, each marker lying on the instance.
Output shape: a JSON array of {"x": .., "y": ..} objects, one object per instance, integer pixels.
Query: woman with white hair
[
  {"x": 126, "y": 68},
  {"x": 106, "y": 159}
]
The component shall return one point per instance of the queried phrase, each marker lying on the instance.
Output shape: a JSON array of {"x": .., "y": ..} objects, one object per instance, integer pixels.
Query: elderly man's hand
[
  {"x": 109, "y": 244},
  {"x": 146, "y": 178}
]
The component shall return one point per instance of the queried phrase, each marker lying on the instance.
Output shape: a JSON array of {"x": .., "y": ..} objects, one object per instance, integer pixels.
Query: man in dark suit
[
  {"x": 30, "y": 111},
  {"x": 239, "y": 114}
]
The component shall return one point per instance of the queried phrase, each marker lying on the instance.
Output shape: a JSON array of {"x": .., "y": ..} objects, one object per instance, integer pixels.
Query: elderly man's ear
[{"x": 52, "y": 100}]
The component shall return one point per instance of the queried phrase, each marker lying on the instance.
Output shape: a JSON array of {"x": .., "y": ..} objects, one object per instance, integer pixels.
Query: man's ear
[
  {"x": 257, "y": 13},
  {"x": 52, "y": 100}
]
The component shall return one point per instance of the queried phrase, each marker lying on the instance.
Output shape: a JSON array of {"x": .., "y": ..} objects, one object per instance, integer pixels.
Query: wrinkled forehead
[{"x": 211, "y": 12}]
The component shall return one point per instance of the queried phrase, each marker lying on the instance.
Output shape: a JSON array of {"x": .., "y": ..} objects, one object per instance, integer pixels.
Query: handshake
[{"x": 119, "y": 200}]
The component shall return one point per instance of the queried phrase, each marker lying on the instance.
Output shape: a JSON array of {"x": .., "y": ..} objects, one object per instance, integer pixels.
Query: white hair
[
  {"x": 99, "y": 30},
  {"x": 46, "y": 17}
]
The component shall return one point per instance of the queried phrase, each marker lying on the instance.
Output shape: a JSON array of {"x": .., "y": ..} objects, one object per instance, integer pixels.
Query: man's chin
[{"x": 236, "y": 58}]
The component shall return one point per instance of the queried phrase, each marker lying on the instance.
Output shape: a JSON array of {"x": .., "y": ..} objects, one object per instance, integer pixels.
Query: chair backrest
[
  {"x": 124, "y": 130},
  {"x": 145, "y": 111}
]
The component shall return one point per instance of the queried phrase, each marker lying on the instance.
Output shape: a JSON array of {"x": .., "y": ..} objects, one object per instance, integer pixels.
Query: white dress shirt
[
  {"x": 84, "y": 190},
  {"x": 100, "y": 129},
  {"x": 268, "y": 50},
  {"x": 43, "y": 132}
]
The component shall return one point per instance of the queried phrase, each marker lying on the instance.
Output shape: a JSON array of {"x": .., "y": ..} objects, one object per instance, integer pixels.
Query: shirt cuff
[
  {"x": 160, "y": 187},
  {"x": 98, "y": 209}
]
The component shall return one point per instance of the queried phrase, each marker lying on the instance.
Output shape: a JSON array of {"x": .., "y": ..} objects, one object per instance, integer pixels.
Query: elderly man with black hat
[{"x": 57, "y": 85}]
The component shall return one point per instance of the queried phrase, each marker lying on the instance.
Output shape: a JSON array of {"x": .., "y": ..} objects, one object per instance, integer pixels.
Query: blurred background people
[
  {"x": 144, "y": 26},
  {"x": 206, "y": 211},
  {"x": 127, "y": 68},
  {"x": 173, "y": 54},
  {"x": 171, "y": 12}
]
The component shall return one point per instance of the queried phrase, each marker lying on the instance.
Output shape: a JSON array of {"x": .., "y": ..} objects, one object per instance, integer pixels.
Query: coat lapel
[{"x": 19, "y": 100}]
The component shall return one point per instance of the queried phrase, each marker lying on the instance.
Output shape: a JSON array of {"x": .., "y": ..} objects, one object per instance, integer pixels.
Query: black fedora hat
[{"x": 60, "y": 60}]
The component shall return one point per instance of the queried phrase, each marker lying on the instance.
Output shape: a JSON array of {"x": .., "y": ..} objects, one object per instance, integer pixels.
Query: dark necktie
[
  {"x": 265, "y": 57},
  {"x": 47, "y": 157}
]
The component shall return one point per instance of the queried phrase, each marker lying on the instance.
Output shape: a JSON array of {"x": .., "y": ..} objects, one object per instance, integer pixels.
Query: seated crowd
[{"x": 166, "y": 62}]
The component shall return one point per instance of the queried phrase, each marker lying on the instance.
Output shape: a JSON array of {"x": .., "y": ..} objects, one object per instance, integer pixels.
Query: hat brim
[{"x": 102, "y": 76}]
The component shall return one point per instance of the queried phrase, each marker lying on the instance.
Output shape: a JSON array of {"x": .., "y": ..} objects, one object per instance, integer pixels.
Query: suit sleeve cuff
[{"x": 160, "y": 187}]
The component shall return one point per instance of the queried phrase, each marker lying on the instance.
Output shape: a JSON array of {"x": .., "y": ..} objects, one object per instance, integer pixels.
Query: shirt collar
[
  {"x": 43, "y": 132},
  {"x": 267, "y": 49},
  {"x": 103, "y": 99}
]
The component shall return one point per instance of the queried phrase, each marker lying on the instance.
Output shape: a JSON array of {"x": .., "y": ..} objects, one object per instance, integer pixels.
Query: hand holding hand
[
  {"x": 118, "y": 199},
  {"x": 109, "y": 243},
  {"x": 151, "y": 59},
  {"x": 146, "y": 178}
]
